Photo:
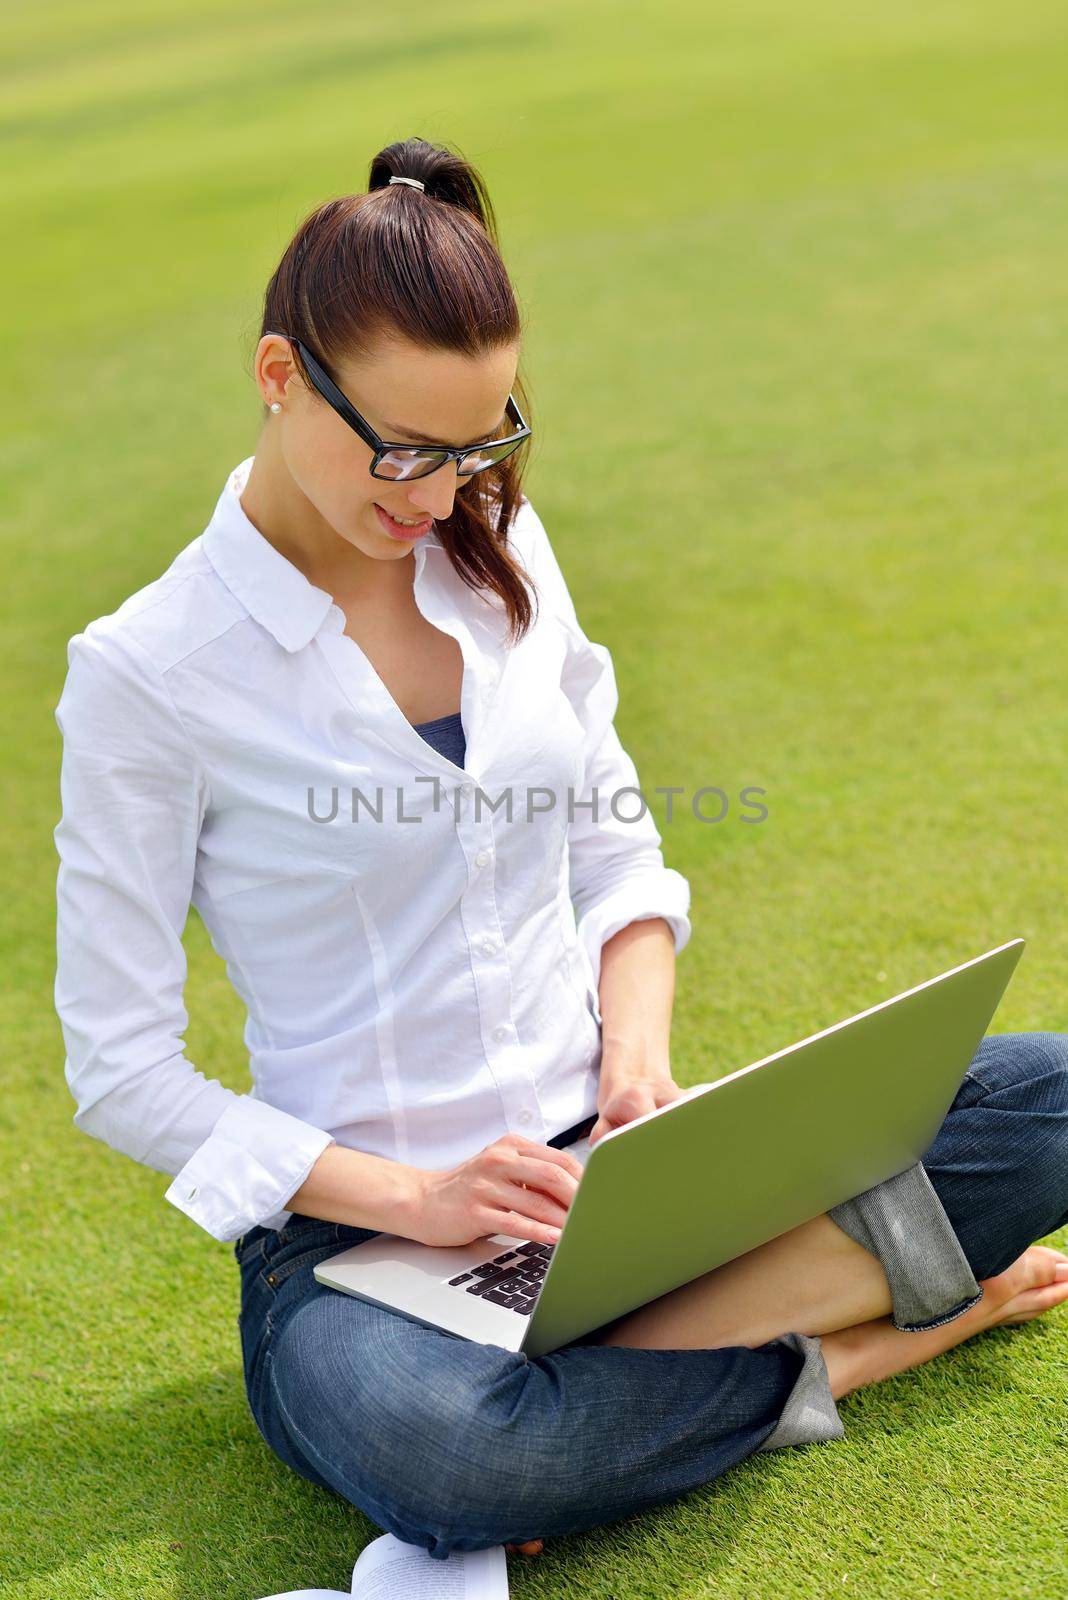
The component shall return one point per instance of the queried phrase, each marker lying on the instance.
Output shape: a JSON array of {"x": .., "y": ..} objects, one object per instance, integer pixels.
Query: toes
[
  {"x": 1032, "y": 1302},
  {"x": 1035, "y": 1268}
]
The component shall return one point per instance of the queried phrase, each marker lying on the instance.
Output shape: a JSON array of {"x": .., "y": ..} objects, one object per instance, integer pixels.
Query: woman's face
[{"x": 409, "y": 395}]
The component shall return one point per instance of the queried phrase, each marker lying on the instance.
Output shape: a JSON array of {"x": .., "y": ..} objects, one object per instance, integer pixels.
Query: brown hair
[{"x": 426, "y": 265}]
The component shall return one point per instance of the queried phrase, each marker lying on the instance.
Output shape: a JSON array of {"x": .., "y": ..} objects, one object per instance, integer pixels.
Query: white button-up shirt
[{"x": 416, "y": 979}]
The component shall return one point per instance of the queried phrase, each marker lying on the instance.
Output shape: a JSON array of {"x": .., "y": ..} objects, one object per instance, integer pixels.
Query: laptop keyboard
[{"x": 513, "y": 1279}]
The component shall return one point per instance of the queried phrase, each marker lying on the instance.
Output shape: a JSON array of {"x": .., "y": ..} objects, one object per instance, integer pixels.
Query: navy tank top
[{"x": 446, "y": 734}]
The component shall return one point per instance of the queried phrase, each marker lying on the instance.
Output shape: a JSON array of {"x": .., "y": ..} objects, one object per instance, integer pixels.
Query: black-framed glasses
[{"x": 397, "y": 461}]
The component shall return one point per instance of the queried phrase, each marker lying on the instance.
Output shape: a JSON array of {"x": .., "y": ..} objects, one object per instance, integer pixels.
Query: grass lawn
[{"x": 800, "y": 273}]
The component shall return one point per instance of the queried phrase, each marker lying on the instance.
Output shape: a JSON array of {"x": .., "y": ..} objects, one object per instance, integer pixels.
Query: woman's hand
[
  {"x": 512, "y": 1186},
  {"x": 629, "y": 1093}
]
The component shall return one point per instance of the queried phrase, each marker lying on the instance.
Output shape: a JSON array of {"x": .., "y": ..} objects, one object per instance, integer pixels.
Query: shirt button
[
  {"x": 524, "y": 1116},
  {"x": 489, "y": 947},
  {"x": 500, "y": 1033},
  {"x": 482, "y": 858},
  {"x": 191, "y": 1195},
  {"x": 465, "y": 788}
]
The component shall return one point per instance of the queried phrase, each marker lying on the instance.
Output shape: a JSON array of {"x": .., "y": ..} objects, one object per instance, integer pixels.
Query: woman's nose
[{"x": 435, "y": 493}]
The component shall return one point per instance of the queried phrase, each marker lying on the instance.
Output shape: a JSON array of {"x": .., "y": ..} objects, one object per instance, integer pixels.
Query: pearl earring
[{"x": 276, "y": 405}]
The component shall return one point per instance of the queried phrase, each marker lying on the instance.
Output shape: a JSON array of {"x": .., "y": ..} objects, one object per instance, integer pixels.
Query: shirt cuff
[
  {"x": 665, "y": 893},
  {"x": 254, "y": 1159}
]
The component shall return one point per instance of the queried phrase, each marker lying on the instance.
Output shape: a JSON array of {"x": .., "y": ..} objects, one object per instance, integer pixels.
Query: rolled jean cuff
[
  {"x": 810, "y": 1415},
  {"x": 904, "y": 1224}
]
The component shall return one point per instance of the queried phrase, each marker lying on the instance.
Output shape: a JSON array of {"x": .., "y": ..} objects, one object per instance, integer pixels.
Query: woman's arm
[
  {"x": 637, "y": 993},
  {"x": 134, "y": 797},
  {"x": 632, "y": 910},
  {"x": 616, "y": 867}
]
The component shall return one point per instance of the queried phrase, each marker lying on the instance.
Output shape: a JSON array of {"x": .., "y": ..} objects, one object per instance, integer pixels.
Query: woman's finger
[
  {"x": 516, "y": 1222},
  {"x": 549, "y": 1153},
  {"x": 545, "y": 1177},
  {"x": 541, "y": 1207}
]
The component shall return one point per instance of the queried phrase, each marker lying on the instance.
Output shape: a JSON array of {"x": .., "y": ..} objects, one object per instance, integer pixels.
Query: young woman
[{"x": 299, "y": 728}]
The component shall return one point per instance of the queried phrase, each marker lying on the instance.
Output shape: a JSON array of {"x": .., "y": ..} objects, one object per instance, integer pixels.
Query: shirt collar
[{"x": 267, "y": 584}]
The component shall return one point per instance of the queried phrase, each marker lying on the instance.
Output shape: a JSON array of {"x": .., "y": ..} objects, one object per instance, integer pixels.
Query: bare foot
[
  {"x": 1025, "y": 1289},
  {"x": 533, "y": 1547},
  {"x": 875, "y": 1350}
]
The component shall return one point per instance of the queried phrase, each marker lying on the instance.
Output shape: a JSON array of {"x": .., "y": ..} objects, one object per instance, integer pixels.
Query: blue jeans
[{"x": 453, "y": 1445}]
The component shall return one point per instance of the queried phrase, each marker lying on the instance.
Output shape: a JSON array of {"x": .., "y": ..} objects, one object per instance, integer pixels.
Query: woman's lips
[{"x": 395, "y": 530}]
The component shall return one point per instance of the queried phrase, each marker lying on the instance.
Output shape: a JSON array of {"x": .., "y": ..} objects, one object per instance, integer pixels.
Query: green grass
[{"x": 800, "y": 271}]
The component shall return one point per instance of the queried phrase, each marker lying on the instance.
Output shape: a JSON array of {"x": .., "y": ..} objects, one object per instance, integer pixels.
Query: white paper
[
  {"x": 309, "y": 1594},
  {"x": 390, "y": 1569}
]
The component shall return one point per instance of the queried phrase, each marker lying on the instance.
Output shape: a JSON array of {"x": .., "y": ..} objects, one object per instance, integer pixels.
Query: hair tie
[{"x": 416, "y": 183}]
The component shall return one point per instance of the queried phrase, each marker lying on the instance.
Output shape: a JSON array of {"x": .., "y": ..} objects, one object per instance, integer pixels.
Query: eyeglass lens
[{"x": 399, "y": 464}]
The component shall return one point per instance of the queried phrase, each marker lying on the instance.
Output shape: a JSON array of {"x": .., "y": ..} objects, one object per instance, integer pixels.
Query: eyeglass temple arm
[{"x": 364, "y": 429}]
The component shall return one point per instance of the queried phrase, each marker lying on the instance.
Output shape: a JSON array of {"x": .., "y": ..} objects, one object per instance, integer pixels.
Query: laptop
[{"x": 715, "y": 1173}]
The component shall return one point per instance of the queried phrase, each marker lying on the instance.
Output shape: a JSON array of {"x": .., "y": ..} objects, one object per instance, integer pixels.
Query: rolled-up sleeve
[
  {"x": 617, "y": 869},
  {"x": 134, "y": 796}
]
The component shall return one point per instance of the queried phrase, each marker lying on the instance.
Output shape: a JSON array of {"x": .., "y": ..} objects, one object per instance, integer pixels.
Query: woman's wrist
[
  {"x": 631, "y": 1063},
  {"x": 361, "y": 1191}
]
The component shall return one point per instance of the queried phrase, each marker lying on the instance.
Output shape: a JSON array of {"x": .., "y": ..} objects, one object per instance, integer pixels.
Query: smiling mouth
[
  {"x": 399, "y": 532},
  {"x": 406, "y": 522}
]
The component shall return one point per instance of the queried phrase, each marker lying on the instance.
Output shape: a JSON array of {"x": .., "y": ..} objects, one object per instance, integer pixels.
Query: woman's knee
[
  {"x": 1029, "y": 1067},
  {"x": 426, "y": 1433},
  {"x": 1001, "y": 1163},
  {"x": 1026, "y": 1074}
]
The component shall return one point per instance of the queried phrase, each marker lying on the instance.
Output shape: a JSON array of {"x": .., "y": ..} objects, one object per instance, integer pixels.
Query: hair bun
[{"x": 445, "y": 175}]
